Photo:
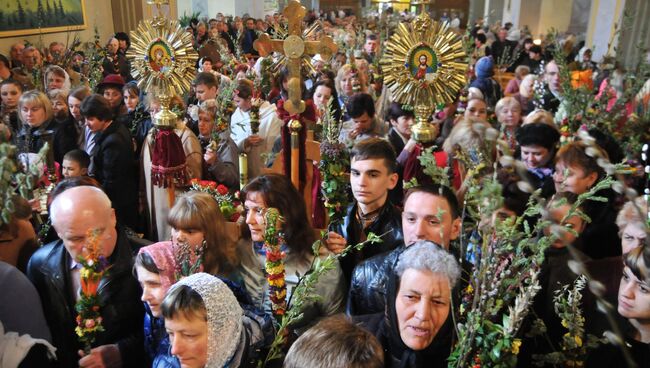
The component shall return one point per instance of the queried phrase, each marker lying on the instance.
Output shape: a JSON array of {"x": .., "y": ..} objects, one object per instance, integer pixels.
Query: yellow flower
[
  {"x": 578, "y": 341},
  {"x": 565, "y": 324},
  {"x": 516, "y": 343}
]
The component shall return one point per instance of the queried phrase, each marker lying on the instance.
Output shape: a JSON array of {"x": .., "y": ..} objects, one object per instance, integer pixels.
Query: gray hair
[{"x": 425, "y": 255}]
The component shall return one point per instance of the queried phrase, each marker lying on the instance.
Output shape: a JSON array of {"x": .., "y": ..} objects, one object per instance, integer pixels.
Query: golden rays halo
[
  {"x": 162, "y": 57},
  {"x": 424, "y": 63}
]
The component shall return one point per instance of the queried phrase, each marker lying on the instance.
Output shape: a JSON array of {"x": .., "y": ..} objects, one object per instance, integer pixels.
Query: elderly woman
[
  {"x": 220, "y": 153},
  {"x": 577, "y": 172},
  {"x": 348, "y": 82},
  {"x": 276, "y": 191},
  {"x": 508, "y": 112},
  {"x": 416, "y": 328},
  {"x": 36, "y": 114},
  {"x": 631, "y": 222},
  {"x": 526, "y": 93},
  {"x": 513, "y": 85}
]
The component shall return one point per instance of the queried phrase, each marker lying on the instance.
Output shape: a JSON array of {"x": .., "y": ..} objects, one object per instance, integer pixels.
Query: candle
[{"x": 243, "y": 170}]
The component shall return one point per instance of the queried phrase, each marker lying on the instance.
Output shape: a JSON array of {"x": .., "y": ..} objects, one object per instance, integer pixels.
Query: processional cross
[{"x": 295, "y": 49}]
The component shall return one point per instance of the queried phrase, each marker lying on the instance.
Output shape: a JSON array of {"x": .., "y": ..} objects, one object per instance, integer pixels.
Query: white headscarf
[{"x": 225, "y": 317}]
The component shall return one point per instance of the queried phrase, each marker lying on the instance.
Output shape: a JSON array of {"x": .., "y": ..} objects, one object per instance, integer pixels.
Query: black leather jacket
[
  {"x": 119, "y": 292},
  {"x": 389, "y": 221},
  {"x": 369, "y": 281}
]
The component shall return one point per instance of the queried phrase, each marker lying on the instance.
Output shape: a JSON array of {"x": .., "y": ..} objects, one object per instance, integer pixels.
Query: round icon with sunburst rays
[
  {"x": 162, "y": 57},
  {"x": 424, "y": 63}
]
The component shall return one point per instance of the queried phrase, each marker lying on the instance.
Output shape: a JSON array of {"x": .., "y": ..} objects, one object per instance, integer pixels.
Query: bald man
[{"x": 54, "y": 270}]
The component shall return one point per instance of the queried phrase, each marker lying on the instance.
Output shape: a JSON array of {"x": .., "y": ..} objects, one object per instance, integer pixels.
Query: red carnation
[{"x": 222, "y": 189}]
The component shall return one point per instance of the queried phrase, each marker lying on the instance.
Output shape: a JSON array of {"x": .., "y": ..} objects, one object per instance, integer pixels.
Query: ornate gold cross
[{"x": 295, "y": 48}]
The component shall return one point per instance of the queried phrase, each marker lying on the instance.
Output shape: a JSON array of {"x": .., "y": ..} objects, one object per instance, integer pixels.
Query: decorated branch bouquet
[
  {"x": 94, "y": 267},
  {"x": 504, "y": 279},
  {"x": 274, "y": 264},
  {"x": 229, "y": 203},
  {"x": 189, "y": 259},
  {"x": 303, "y": 293},
  {"x": 334, "y": 162}
]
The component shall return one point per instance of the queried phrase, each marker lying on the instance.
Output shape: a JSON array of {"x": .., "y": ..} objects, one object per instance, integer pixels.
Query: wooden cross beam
[{"x": 295, "y": 47}]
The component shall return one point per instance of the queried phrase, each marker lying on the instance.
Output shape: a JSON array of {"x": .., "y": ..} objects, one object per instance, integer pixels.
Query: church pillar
[
  {"x": 512, "y": 12},
  {"x": 601, "y": 29}
]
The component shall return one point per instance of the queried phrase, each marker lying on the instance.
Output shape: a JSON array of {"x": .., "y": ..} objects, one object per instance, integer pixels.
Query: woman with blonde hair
[
  {"x": 36, "y": 113},
  {"x": 508, "y": 111},
  {"x": 349, "y": 81}
]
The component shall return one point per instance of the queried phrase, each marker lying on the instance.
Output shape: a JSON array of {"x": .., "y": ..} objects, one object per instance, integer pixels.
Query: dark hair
[
  {"x": 206, "y": 78},
  {"x": 132, "y": 88},
  {"x": 528, "y": 40},
  {"x": 360, "y": 103},
  {"x": 609, "y": 144},
  {"x": 638, "y": 260},
  {"x": 144, "y": 260},
  {"x": 440, "y": 191},
  {"x": 244, "y": 89},
  {"x": 14, "y": 82},
  {"x": 372, "y": 37},
  {"x": 204, "y": 59},
  {"x": 96, "y": 106},
  {"x": 80, "y": 93},
  {"x": 514, "y": 198},
  {"x": 182, "y": 300},
  {"x": 122, "y": 36},
  {"x": 536, "y": 49},
  {"x": 4, "y": 60},
  {"x": 395, "y": 110},
  {"x": 481, "y": 37},
  {"x": 336, "y": 108},
  {"x": 278, "y": 192},
  {"x": 79, "y": 156},
  {"x": 538, "y": 134},
  {"x": 375, "y": 148}
]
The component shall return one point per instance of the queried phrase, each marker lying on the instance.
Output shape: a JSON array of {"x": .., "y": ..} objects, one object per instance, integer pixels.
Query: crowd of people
[{"x": 183, "y": 290}]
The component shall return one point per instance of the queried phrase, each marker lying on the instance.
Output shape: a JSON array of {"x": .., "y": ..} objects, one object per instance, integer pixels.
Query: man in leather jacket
[
  {"x": 431, "y": 212},
  {"x": 54, "y": 271},
  {"x": 373, "y": 173}
]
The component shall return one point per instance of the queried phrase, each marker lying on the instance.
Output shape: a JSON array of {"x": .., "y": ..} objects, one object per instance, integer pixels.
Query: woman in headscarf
[
  {"x": 416, "y": 328},
  {"x": 206, "y": 326},
  {"x": 154, "y": 268}
]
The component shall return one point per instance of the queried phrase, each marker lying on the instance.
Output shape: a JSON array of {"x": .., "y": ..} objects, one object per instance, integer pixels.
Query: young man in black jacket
[{"x": 372, "y": 175}]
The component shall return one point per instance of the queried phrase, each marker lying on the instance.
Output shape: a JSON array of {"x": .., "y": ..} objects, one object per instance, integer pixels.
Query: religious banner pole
[
  {"x": 163, "y": 61},
  {"x": 296, "y": 51}
]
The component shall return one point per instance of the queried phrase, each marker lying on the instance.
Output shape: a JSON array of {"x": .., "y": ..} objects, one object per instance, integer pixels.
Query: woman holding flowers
[
  {"x": 276, "y": 191},
  {"x": 220, "y": 154},
  {"x": 198, "y": 232}
]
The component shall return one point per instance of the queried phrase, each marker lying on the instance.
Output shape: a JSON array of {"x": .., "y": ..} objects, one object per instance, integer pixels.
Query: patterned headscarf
[
  {"x": 163, "y": 256},
  {"x": 225, "y": 322}
]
